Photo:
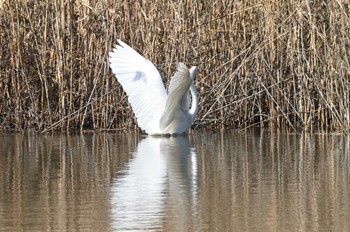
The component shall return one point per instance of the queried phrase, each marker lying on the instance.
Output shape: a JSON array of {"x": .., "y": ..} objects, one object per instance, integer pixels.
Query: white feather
[
  {"x": 177, "y": 103},
  {"x": 156, "y": 113}
]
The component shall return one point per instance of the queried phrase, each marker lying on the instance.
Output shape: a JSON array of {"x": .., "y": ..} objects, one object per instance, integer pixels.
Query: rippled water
[{"x": 223, "y": 181}]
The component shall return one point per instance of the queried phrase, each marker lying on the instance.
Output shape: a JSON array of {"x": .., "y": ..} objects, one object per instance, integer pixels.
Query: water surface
[{"x": 222, "y": 181}]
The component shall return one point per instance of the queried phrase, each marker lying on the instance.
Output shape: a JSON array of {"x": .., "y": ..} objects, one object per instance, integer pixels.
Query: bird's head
[{"x": 193, "y": 71}]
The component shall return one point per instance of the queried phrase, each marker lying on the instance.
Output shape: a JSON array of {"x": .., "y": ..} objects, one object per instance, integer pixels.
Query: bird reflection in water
[{"x": 157, "y": 185}]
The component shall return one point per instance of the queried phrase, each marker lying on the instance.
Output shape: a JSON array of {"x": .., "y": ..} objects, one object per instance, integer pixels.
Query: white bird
[{"x": 156, "y": 111}]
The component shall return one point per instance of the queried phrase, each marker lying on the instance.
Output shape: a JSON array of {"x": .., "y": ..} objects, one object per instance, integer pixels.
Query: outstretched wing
[
  {"x": 178, "y": 99},
  {"x": 142, "y": 83}
]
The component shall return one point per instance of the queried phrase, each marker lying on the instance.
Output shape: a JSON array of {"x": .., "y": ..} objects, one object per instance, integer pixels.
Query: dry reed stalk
[{"x": 271, "y": 63}]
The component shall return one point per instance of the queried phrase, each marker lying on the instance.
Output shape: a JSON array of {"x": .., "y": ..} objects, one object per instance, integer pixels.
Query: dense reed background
[{"x": 263, "y": 63}]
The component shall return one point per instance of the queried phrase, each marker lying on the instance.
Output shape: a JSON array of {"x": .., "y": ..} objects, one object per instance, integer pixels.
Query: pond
[{"x": 206, "y": 181}]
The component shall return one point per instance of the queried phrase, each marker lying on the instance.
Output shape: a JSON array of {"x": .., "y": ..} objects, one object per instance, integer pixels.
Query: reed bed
[{"x": 278, "y": 64}]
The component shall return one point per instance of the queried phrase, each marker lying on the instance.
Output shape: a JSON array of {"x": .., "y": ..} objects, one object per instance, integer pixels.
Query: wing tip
[
  {"x": 122, "y": 44},
  {"x": 182, "y": 67}
]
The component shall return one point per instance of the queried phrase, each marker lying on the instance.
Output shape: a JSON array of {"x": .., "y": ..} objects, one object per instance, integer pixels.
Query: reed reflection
[
  {"x": 229, "y": 181},
  {"x": 274, "y": 181},
  {"x": 58, "y": 182},
  {"x": 158, "y": 183}
]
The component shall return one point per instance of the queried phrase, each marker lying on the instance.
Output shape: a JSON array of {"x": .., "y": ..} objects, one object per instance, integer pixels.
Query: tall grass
[{"x": 262, "y": 63}]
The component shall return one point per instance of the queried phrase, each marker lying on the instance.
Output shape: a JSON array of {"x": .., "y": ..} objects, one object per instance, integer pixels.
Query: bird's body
[{"x": 156, "y": 111}]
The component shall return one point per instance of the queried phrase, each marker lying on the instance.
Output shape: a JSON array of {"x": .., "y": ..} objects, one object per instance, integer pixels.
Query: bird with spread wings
[{"x": 157, "y": 112}]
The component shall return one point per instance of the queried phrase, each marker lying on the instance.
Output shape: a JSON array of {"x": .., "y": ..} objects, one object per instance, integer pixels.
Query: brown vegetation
[{"x": 277, "y": 63}]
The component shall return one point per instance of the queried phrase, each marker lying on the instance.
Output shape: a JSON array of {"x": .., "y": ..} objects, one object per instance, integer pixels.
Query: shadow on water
[{"x": 204, "y": 182}]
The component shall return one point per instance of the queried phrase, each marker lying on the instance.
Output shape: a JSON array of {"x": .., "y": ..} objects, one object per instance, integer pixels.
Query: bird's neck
[{"x": 194, "y": 105}]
